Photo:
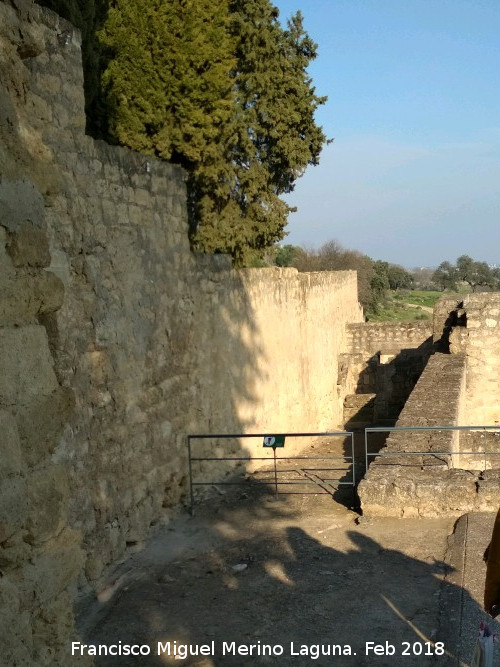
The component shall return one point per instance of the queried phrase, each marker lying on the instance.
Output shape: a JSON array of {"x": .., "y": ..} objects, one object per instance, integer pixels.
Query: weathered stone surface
[
  {"x": 26, "y": 297},
  {"x": 28, "y": 246},
  {"x": 53, "y": 633},
  {"x": 400, "y": 486},
  {"x": 26, "y": 363},
  {"x": 15, "y": 628},
  {"x": 14, "y": 551},
  {"x": 11, "y": 459},
  {"x": 48, "y": 496},
  {"x": 13, "y": 506},
  {"x": 20, "y": 203},
  {"x": 52, "y": 569},
  {"x": 41, "y": 421}
]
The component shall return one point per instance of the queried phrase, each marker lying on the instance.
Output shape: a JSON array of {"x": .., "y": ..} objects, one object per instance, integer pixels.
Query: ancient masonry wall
[
  {"x": 458, "y": 387},
  {"x": 476, "y": 334},
  {"x": 116, "y": 342},
  {"x": 384, "y": 359}
]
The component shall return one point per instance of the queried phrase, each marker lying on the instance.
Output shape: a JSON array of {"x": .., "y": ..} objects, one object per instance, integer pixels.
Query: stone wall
[
  {"x": 117, "y": 342},
  {"x": 399, "y": 484},
  {"x": 476, "y": 334},
  {"x": 40, "y": 554},
  {"x": 384, "y": 359},
  {"x": 459, "y": 386}
]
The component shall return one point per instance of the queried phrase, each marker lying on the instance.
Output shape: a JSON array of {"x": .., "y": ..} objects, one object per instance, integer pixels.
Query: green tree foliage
[
  {"x": 166, "y": 85},
  {"x": 399, "y": 278},
  {"x": 393, "y": 276},
  {"x": 220, "y": 87},
  {"x": 445, "y": 276},
  {"x": 286, "y": 255},
  {"x": 466, "y": 270}
]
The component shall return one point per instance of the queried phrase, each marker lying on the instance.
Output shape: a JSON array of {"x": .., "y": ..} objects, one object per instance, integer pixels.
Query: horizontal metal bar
[
  {"x": 427, "y": 453},
  {"x": 263, "y": 482},
  {"x": 270, "y": 458},
  {"x": 297, "y": 479},
  {"x": 291, "y": 470},
  {"x": 387, "y": 429},
  {"x": 202, "y": 436}
]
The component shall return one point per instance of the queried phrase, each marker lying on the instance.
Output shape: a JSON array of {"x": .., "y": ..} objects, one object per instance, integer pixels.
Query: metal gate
[
  {"x": 452, "y": 455},
  {"x": 308, "y": 476}
]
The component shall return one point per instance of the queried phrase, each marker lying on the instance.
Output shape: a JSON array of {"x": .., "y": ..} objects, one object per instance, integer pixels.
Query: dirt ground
[{"x": 289, "y": 572}]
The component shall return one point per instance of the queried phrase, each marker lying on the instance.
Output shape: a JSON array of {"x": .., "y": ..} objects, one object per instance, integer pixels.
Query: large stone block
[
  {"x": 13, "y": 506},
  {"x": 26, "y": 363},
  {"x": 16, "y": 640},
  {"x": 11, "y": 460},
  {"x": 14, "y": 551},
  {"x": 53, "y": 632},
  {"x": 41, "y": 421},
  {"x": 28, "y": 246},
  {"x": 52, "y": 569},
  {"x": 25, "y": 298},
  {"x": 20, "y": 202},
  {"x": 48, "y": 497}
]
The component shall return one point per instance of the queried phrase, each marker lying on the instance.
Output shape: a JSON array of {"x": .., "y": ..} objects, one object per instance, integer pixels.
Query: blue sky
[{"x": 413, "y": 175}]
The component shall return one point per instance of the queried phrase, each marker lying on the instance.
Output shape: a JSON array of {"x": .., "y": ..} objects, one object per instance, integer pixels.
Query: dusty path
[{"x": 256, "y": 570}]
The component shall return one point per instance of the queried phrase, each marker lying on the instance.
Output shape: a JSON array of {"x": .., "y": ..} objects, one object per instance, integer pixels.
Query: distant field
[
  {"x": 398, "y": 312},
  {"x": 407, "y": 306},
  {"x": 418, "y": 297}
]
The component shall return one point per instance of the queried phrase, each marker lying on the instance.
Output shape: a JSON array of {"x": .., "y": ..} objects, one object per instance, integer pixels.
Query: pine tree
[
  {"x": 220, "y": 87},
  {"x": 274, "y": 136},
  {"x": 167, "y": 85}
]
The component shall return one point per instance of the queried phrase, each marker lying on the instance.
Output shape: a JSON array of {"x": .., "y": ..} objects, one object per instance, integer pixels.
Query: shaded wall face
[
  {"x": 132, "y": 341},
  {"x": 385, "y": 359}
]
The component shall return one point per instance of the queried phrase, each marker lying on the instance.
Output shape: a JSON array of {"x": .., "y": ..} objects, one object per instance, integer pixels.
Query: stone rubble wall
[
  {"x": 398, "y": 484},
  {"x": 460, "y": 386},
  {"x": 477, "y": 335},
  {"x": 384, "y": 359},
  {"x": 116, "y": 342}
]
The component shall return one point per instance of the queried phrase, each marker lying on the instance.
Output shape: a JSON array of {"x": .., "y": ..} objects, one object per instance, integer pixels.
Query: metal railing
[
  {"x": 309, "y": 473},
  {"x": 450, "y": 453}
]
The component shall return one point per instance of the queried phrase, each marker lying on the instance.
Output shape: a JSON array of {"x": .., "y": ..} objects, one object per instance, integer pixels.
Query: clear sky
[{"x": 413, "y": 175}]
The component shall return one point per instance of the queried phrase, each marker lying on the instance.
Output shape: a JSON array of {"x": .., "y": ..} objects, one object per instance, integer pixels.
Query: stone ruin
[
  {"x": 460, "y": 386},
  {"x": 115, "y": 342}
]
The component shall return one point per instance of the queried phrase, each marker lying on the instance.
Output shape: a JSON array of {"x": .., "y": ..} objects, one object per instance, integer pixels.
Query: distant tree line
[
  {"x": 467, "y": 270},
  {"x": 217, "y": 86},
  {"x": 375, "y": 278}
]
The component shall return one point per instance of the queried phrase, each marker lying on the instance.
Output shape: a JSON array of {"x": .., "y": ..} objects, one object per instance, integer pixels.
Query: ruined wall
[
  {"x": 477, "y": 334},
  {"x": 154, "y": 342},
  {"x": 422, "y": 485},
  {"x": 459, "y": 386},
  {"x": 384, "y": 359},
  {"x": 117, "y": 341},
  {"x": 40, "y": 553}
]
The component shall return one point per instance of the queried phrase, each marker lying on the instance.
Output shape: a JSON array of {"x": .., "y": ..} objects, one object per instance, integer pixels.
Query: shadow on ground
[{"x": 287, "y": 572}]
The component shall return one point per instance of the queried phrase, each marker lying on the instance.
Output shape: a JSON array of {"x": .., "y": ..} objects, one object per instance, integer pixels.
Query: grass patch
[
  {"x": 426, "y": 298},
  {"x": 398, "y": 312}
]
